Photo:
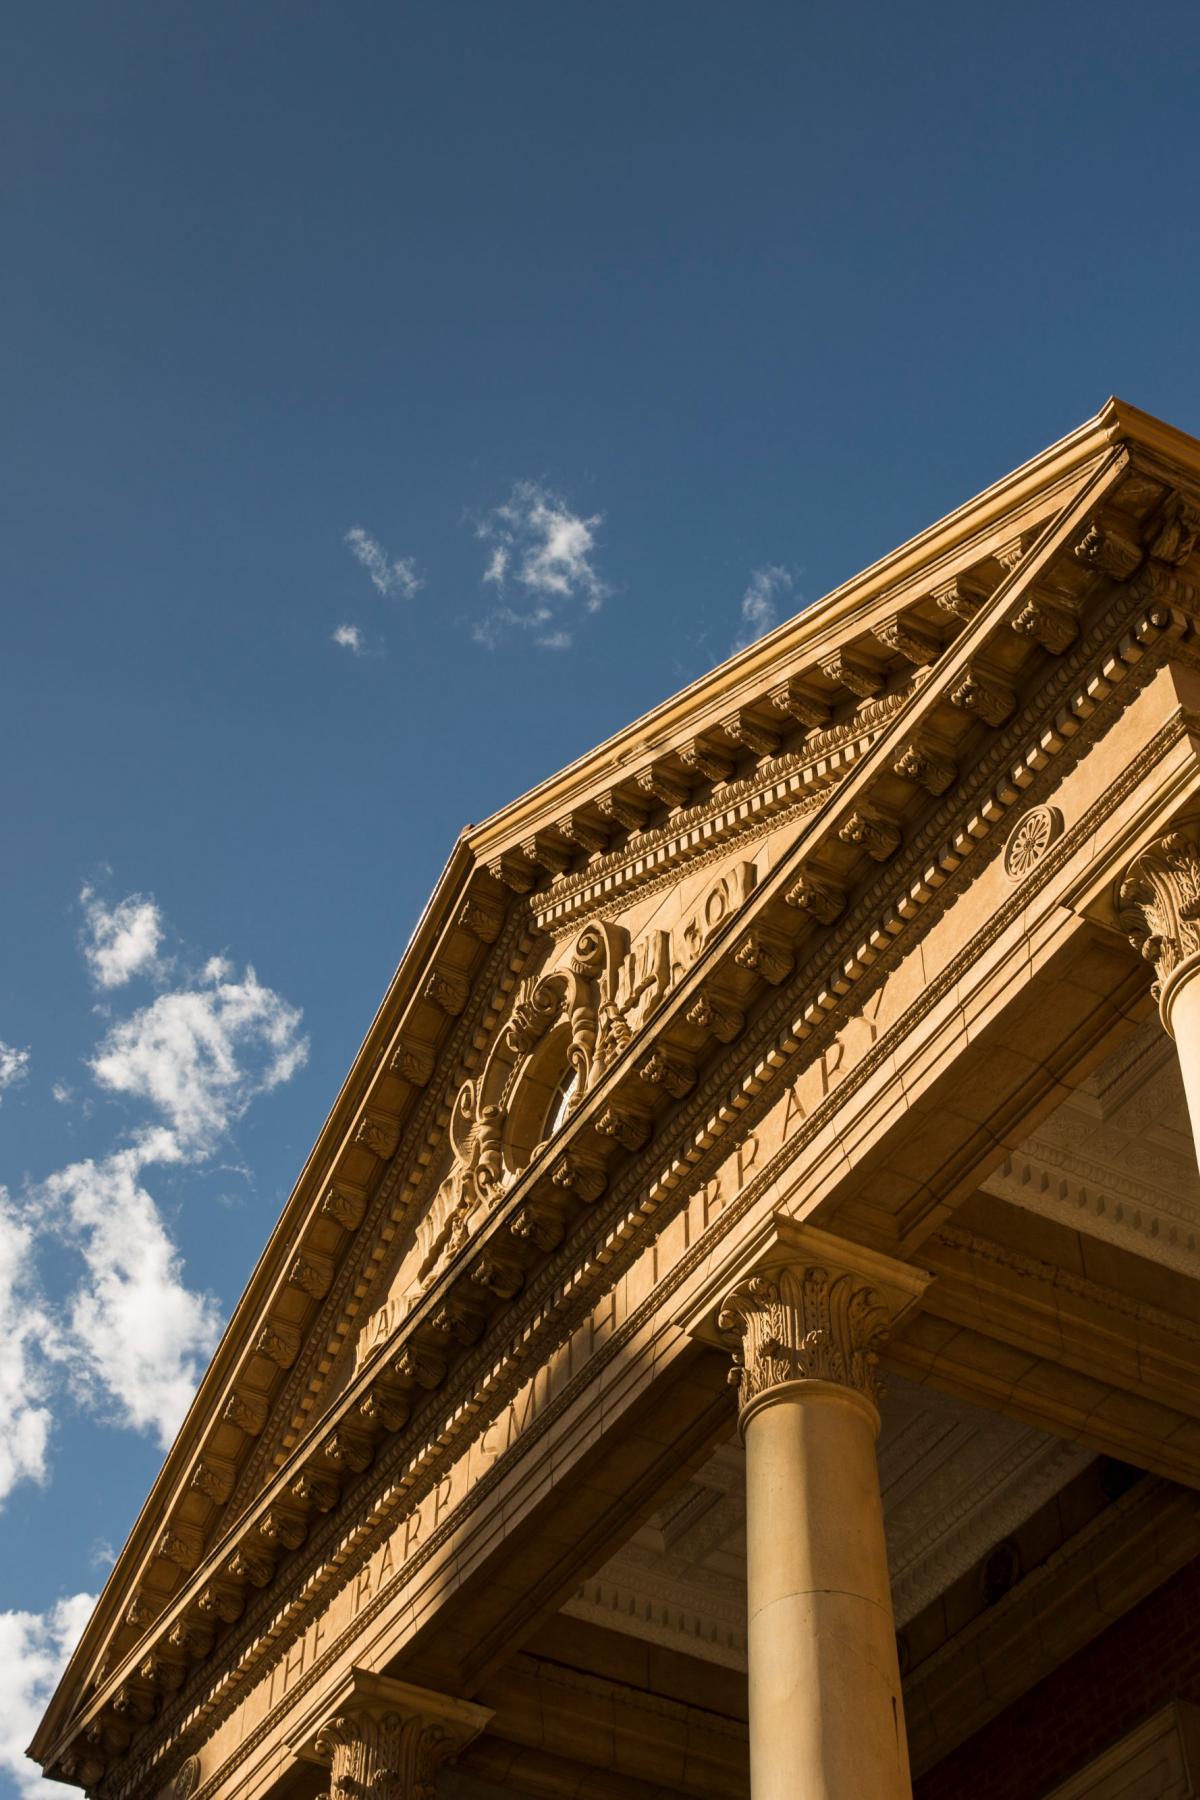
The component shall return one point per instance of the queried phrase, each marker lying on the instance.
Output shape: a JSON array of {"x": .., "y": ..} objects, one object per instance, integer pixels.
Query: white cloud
[
  {"x": 539, "y": 546},
  {"x": 130, "y": 1338},
  {"x": 390, "y": 575},
  {"x": 120, "y": 941},
  {"x": 34, "y": 1650},
  {"x": 136, "y": 1335},
  {"x": 24, "y": 1384},
  {"x": 200, "y": 1055},
  {"x": 14, "y": 1065},
  {"x": 350, "y": 638},
  {"x": 62, "y": 1093},
  {"x": 760, "y": 609}
]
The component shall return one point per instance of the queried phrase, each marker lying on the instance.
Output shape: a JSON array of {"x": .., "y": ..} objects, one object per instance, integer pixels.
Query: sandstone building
[{"x": 836, "y": 1027}]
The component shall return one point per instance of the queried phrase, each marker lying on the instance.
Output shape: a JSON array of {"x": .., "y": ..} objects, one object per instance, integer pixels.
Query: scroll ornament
[
  {"x": 805, "y": 1324},
  {"x": 1158, "y": 902}
]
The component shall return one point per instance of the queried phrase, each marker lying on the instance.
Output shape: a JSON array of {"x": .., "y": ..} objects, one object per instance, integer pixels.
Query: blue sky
[{"x": 398, "y": 399}]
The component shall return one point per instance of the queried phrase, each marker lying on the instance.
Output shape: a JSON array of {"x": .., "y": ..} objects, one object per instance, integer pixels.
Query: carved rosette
[
  {"x": 805, "y": 1323},
  {"x": 1158, "y": 905},
  {"x": 384, "y": 1753}
]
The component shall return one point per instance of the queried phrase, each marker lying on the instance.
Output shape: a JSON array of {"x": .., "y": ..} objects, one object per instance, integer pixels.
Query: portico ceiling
[{"x": 955, "y": 1481}]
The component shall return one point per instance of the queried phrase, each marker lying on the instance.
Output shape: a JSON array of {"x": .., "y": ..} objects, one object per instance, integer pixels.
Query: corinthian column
[
  {"x": 1159, "y": 908},
  {"x": 385, "y": 1740},
  {"x": 826, "y": 1715}
]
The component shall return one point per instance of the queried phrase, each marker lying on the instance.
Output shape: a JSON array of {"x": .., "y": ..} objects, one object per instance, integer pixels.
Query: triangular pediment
[{"x": 586, "y": 954}]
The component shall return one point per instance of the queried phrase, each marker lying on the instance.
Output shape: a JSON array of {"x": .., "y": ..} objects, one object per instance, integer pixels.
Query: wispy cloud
[
  {"x": 34, "y": 1651},
  {"x": 394, "y": 576},
  {"x": 543, "y": 553},
  {"x": 120, "y": 941},
  {"x": 24, "y": 1328},
  {"x": 14, "y": 1066},
  {"x": 200, "y": 1054},
  {"x": 350, "y": 638},
  {"x": 760, "y": 602}
]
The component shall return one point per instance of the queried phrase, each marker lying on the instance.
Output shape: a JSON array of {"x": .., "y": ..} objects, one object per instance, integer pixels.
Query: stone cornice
[
  {"x": 1010, "y": 509},
  {"x": 734, "y": 972}
]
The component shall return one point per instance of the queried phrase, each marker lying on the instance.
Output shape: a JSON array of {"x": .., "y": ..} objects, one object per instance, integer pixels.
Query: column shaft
[{"x": 826, "y": 1715}]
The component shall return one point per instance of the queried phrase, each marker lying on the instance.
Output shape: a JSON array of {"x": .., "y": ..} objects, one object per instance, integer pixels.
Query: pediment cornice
[{"x": 884, "y": 807}]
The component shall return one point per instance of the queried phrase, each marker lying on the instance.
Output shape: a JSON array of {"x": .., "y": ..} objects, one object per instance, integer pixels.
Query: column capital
[
  {"x": 386, "y": 1740},
  {"x": 813, "y": 1308},
  {"x": 1158, "y": 907}
]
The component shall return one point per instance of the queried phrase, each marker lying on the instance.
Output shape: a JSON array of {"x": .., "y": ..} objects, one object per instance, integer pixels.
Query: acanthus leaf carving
[
  {"x": 412, "y": 1061},
  {"x": 386, "y": 1740},
  {"x": 961, "y": 597},
  {"x": 1054, "y": 627},
  {"x": 1175, "y": 531},
  {"x": 765, "y": 953},
  {"x": 623, "y": 809},
  {"x": 582, "y": 831},
  {"x": 744, "y": 729},
  {"x": 664, "y": 785},
  {"x": 222, "y": 1599},
  {"x": 312, "y": 1273},
  {"x": 257, "y": 1567},
  {"x": 630, "y": 1129},
  {"x": 482, "y": 921},
  {"x": 419, "y": 1366},
  {"x": 796, "y": 698},
  {"x": 247, "y": 1411},
  {"x": 346, "y": 1205},
  {"x": 182, "y": 1545},
  {"x": 578, "y": 1176},
  {"x": 721, "y": 1021},
  {"x": 314, "y": 1489},
  {"x": 502, "y": 1275},
  {"x": 385, "y": 1408},
  {"x": 448, "y": 990},
  {"x": 934, "y": 771},
  {"x": 347, "y": 1449},
  {"x": 991, "y": 700},
  {"x": 1108, "y": 549},
  {"x": 1158, "y": 901},
  {"x": 283, "y": 1526},
  {"x": 819, "y": 899},
  {"x": 916, "y": 643},
  {"x": 805, "y": 1323},
  {"x": 514, "y": 871},
  {"x": 279, "y": 1343},
  {"x": 192, "y": 1636},
  {"x": 879, "y": 837},
  {"x": 675, "y": 1077},
  {"x": 548, "y": 850},
  {"x": 540, "y": 1223},
  {"x": 707, "y": 760},
  {"x": 379, "y": 1133},
  {"x": 849, "y": 668},
  {"x": 213, "y": 1477}
]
